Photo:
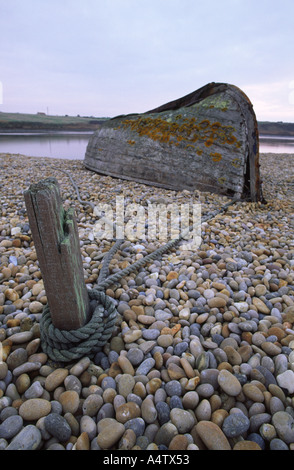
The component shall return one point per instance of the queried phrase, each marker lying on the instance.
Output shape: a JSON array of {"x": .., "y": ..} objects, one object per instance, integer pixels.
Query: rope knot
[{"x": 66, "y": 346}]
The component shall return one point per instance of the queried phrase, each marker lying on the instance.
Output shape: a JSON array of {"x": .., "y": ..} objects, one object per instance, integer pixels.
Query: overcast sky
[{"x": 111, "y": 57}]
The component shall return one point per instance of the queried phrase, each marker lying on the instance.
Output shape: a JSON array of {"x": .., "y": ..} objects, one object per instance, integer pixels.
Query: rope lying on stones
[
  {"x": 105, "y": 283},
  {"x": 67, "y": 346}
]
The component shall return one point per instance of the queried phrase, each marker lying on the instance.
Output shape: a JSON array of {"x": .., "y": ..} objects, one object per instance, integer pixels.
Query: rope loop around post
[{"x": 67, "y": 346}]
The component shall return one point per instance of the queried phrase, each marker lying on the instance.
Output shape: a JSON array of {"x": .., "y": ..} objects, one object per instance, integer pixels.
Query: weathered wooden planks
[
  {"x": 207, "y": 140},
  {"x": 56, "y": 241}
]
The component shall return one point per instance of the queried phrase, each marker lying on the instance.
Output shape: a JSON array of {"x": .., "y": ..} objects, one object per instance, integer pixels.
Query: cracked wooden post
[{"x": 56, "y": 240}]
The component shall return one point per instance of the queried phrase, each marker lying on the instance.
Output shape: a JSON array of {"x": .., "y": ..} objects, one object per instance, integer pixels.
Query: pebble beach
[{"x": 202, "y": 353}]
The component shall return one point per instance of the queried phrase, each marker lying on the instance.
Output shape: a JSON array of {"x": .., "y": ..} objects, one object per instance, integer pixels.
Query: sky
[{"x": 104, "y": 58}]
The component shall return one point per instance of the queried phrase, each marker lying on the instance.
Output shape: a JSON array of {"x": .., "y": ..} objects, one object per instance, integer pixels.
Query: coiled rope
[{"x": 67, "y": 346}]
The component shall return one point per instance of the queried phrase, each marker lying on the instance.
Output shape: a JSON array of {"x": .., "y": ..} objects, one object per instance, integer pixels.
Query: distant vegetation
[
  {"x": 276, "y": 128},
  {"x": 40, "y": 121}
]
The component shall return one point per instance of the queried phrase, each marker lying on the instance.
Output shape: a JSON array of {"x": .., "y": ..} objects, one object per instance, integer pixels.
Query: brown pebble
[
  {"x": 179, "y": 442},
  {"x": 38, "y": 357},
  {"x": 247, "y": 336},
  {"x": 246, "y": 445},
  {"x": 158, "y": 360},
  {"x": 146, "y": 319},
  {"x": 212, "y": 436},
  {"x": 108, "y": 395},
  {"x": 33, "y": 346},
  {"x": 128, "y": 440},
  {"x": 226, "y": 366},
  {"x": 234, "y": 357},
  {"x": 229, "y": 383},
  {"x": 70, "y": 401},
  {"x": 127, "y": 411},
  {"x": 253, "y": 392},
  {"x": 165, "y": 340},
  {"x": 85, "y": 378},
  {"x": 83, "y": 442},
  {"x": 190, "y": 373},
  {"x": 5, "y": 350},
  {"x": 276, "y": 391},
  {"x": 138, "y": 309},
  {"x": 140, "y": 390},
  {"x": 278, "y": 332},
  {"x": 245, "y": 352},
  {"x": 270, "y": 348},
  {"x": 153, "y": 385},
  {"x": 215, "y": 402},
  {"x": 13, "y": 322},
  {"x": 11, "y": 294},
  {"x": 114, "y": 370},
  {"x": 175, "y": 372},
  {"x": 172, "y": 275},
  {"x": 74, "y": 424},
  {"x": 260, "y": 305},
  {"x": 192, "y": 383},
  {"x": 125, "y": 365},
  {"x": 55, "y": 379},
  {"x": 218, "y": 417},
  {"x": 109, "y": 432},
  {"x": 6, "y": 272},
  {"x": 216, "y": 302},
  {"x": 34, "y": 409},
  {"x": 22, "y": 383}
]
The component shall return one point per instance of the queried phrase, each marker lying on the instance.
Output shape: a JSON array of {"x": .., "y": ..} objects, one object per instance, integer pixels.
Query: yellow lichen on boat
[
  {"x": 236, "y": 162},
  {"x": 222, "y": 180},
  {"x": 216, "y": 157},
  {"x": 182, "y": 131}
]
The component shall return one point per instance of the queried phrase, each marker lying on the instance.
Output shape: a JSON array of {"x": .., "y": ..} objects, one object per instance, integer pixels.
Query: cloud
[
  {"x": 272, "y": 100},
  {"x": 108, "y": 58}
]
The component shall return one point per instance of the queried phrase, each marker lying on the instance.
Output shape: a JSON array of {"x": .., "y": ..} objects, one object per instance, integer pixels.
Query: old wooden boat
[{"x": 207, "y": 140}]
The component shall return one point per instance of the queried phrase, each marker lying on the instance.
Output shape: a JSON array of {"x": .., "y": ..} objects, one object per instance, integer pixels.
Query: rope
[
  {"x": 105, "y": 283},
  {"x": 67, "y": 346}
]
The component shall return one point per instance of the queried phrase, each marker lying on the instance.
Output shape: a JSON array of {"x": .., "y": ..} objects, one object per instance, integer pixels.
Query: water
[
  {"x": 271, "y": 144},
  {"x": 67, "y": 145},
  {"x": 72, "y": 145}
]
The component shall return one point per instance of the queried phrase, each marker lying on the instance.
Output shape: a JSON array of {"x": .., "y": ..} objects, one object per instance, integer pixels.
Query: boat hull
[{"x": 207, "y": 141}]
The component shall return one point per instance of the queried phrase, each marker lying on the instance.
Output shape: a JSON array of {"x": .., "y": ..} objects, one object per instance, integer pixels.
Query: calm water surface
[
  {"x": 55, "y": 145},
  {"x": 269, "y": 144},
  {"x": 73, "y": 145}
]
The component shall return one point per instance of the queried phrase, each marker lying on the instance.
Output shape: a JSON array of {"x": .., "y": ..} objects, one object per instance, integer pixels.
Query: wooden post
[{"x": 56, "y": 240}]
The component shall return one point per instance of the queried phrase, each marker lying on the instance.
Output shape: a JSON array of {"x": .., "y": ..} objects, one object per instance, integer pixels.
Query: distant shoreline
[
  {"x": 46, "y": 131},
  {"x": 281, "y": 129},
  {"x": 40, "y": 122}
]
